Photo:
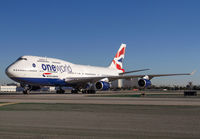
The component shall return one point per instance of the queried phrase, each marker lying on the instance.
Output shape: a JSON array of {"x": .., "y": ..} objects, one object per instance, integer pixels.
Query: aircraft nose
[{"x": 9, "y": 71}]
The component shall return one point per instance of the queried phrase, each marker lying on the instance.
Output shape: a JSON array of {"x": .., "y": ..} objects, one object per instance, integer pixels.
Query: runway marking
[{"x": 10, "y": 103}]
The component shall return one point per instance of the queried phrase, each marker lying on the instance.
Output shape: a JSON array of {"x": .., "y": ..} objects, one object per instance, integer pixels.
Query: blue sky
[{"x": 161, "y": 35}]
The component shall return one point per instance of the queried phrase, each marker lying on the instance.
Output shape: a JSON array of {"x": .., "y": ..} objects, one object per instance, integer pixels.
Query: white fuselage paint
[{"x": 42, "y": 68}]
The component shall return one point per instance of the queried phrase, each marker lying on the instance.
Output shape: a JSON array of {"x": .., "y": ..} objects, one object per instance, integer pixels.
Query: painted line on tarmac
[{"x": 4, "y": 104}]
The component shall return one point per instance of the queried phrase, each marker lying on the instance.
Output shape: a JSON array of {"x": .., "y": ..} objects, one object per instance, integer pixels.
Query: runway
[
  {"x": 99, "y": 116},
  {"x": 105, "y": 98}
]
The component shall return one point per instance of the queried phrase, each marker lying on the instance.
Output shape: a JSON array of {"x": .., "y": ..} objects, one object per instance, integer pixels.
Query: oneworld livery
[{"x": 32, "y": 72}]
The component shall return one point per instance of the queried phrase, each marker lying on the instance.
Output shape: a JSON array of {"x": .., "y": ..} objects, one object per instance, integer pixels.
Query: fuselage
[{"x": 34, "y": 70}]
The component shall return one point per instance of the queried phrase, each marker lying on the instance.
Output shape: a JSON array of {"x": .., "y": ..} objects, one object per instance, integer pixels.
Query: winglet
[{"x": 193, "y": 72}]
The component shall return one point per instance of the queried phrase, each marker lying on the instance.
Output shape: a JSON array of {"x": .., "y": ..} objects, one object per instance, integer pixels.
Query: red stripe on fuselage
[{"x": 47, "y": 73}]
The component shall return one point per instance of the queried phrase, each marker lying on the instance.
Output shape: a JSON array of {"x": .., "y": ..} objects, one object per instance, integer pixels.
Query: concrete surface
[{"x": 95, "y": 117}]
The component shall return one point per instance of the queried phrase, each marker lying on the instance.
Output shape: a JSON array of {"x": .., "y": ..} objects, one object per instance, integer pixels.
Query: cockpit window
[{"x": 21, "y": 59}]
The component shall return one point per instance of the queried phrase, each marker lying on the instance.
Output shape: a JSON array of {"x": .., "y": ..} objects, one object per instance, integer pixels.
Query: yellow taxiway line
[{"x": 10, "y": 103}]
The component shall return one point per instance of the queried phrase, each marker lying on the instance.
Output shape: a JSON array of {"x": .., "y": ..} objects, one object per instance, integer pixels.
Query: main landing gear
[
  {"x": 88, "y": 91},
  {"x": 75, "y": 91},
  {"x": 26, "y": 91},
  {"x": 60, "y": 91}
]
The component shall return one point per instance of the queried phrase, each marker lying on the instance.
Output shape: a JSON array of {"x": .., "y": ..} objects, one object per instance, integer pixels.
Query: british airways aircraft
[{"x": 32, "y": 72}]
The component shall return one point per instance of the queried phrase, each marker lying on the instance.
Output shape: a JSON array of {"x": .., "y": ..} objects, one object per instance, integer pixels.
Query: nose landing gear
[{"x": 27, "y": 89}]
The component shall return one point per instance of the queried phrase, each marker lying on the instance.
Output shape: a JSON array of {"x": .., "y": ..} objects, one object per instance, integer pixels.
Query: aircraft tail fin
[{"x": 117, "y": 62}]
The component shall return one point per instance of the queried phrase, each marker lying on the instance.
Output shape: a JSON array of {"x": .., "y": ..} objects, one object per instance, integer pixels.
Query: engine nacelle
[
  {"x": 101, "y": 85},
  {"x": 144, "y": 83}
]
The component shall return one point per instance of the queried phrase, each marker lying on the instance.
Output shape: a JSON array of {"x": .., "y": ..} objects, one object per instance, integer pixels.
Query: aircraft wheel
[
  {"x": 26, "y": 91},
  {"x": 91, "y": 91},
  {"x": 57, "y": 91},
  {"x": 84, "y": 92},
  {"x": 74, "y": 91},
  {"x": 60, "y": 91}
]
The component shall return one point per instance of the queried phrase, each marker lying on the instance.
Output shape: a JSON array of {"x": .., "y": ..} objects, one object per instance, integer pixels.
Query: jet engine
[
  {"x": 144, "y": 83},
  {"x": 101, "y": 85}
]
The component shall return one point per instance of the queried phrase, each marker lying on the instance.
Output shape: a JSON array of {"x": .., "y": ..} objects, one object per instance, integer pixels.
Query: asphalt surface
[
  {"x": 123, "y": 98},
  {"x": 100, "y": 116}
]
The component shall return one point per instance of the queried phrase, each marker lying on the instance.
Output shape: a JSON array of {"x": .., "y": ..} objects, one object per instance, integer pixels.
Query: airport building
[
  {"x": 51, "y": 89},
  {"x": 123, "y": 83},
  {"x": 6, "y": 88}
]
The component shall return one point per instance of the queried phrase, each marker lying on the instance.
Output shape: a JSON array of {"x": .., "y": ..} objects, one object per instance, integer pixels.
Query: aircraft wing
[
  {"x": 141, "y": 76},
  {"x": 75, "y": 80}
]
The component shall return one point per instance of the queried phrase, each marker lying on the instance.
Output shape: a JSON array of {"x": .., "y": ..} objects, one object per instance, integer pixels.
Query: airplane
[{"x": 33, "y": 72}]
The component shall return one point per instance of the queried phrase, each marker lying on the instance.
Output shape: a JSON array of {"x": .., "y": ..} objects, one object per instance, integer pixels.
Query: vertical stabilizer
[{"x": 117, "y": 62}]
